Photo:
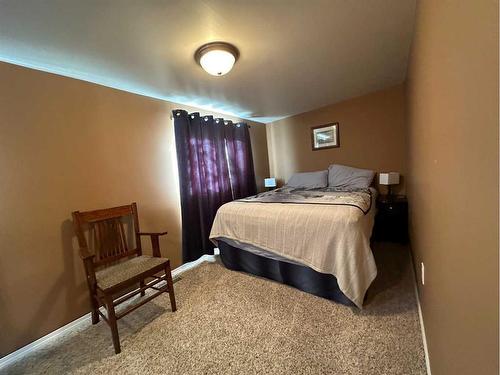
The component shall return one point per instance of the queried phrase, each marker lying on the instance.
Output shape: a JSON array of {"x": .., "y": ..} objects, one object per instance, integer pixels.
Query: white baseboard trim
[
  {"x": 25, "y": 350},
  {"x": 196, "y": 263},
  {"x": 421, "y": 318}
]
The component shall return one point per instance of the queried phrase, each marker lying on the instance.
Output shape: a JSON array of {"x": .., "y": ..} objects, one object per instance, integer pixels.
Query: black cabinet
[{"x": 391, "y": 219}]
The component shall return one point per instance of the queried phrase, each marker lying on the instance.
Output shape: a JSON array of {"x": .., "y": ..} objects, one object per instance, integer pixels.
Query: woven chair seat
[{"x": 118, "y": 273}]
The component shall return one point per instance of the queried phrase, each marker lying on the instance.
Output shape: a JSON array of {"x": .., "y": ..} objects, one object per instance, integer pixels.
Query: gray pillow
[
  {"x": 309, "y": 180},
  {"x": 341, "y": 176}
]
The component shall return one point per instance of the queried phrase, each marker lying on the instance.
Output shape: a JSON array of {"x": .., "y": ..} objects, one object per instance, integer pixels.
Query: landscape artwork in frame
[{"x": 325, "y": 136}]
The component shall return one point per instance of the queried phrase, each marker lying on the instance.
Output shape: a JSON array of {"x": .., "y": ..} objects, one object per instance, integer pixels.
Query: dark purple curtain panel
[
  {"x": 215, "y": 164},
  {"x": 240, "y": 161}
]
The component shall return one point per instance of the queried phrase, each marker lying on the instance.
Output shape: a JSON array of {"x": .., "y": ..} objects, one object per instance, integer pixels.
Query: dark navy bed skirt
[{"x": 298, "y": 276}]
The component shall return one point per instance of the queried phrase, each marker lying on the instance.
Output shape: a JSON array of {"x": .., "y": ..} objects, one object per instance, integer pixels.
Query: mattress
[{"x": 258, "y": 251}]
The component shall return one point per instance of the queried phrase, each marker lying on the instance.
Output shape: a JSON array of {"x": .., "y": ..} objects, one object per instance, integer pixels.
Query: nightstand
[{"x": 391, "y": 220}]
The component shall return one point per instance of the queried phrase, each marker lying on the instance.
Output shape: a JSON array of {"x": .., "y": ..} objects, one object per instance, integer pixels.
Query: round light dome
[{"x": 217, "y": 58}]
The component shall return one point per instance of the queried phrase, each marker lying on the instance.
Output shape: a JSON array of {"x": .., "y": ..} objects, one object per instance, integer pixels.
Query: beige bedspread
[{"x": 333, "y": 239}]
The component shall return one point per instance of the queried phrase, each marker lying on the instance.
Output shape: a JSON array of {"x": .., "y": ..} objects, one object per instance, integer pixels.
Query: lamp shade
[
  {"x": 217, "y": 63},
  {"x": 270, "y": 182},
  {"x": 390, "y": 178},
  {"x": 217, "y": 58}
]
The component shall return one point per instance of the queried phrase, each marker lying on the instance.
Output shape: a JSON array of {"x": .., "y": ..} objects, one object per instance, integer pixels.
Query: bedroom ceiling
[{"x": 296, "y": 55}]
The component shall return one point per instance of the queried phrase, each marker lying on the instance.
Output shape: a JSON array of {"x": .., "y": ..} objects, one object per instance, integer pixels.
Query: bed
[{"x": 316, "y": 239}]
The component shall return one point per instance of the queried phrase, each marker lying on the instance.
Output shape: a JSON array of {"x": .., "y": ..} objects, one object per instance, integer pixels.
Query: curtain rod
[{"x": 172, "y": 117}]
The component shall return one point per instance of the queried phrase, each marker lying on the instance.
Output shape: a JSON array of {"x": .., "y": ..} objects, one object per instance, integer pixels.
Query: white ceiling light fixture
[{"x": 217, "y": 58}]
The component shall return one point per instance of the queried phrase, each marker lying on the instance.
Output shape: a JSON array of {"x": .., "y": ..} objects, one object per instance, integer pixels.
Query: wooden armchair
[{"x": 112, "y": 268}]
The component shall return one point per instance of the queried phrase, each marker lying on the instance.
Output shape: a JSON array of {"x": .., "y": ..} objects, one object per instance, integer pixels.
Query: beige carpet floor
[{"x": 232, "y": 323}]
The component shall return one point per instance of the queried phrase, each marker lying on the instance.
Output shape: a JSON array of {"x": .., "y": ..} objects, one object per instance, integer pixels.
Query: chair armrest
[
  {"x": 155, "y": 241},
  {"x": 152, "y": 233},
  {"x": 85, "y": 254}
]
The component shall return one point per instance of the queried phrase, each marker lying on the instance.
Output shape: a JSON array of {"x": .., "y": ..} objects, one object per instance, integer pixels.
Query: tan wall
[
  {"x": 453, "y": 180},
  {"x": 372, "y": 135},
  {"x": 66, "y": 145}
]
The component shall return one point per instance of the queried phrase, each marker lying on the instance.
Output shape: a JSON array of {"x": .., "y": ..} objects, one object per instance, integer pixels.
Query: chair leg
[
  {"x": 94, "y": 306},
  {"x": 95, "y": 316},
  {"x": 141, "y": 284},
  {"x": 170, "y": 284},
  {"x": 112, "y": 323}
]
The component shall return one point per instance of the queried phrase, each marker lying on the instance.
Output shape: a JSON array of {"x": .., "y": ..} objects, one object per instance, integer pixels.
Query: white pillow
[
  {"x": 342, "y": 176},
  {"x": 309, "y": 180}
]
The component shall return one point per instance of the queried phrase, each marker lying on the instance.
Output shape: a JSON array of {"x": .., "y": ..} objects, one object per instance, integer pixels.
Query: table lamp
[{"x": 389, "y": 179}]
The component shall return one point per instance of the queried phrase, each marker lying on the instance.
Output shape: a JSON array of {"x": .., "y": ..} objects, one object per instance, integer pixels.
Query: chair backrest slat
[
  {"x": 107, "y": 234},
  {"x": 114, "y": 258},
  {"x": 111, "y": 238}
]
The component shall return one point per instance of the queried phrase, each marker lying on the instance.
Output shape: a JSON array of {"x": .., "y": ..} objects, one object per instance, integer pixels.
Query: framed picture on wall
[{"x": 325, "y": 136}]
